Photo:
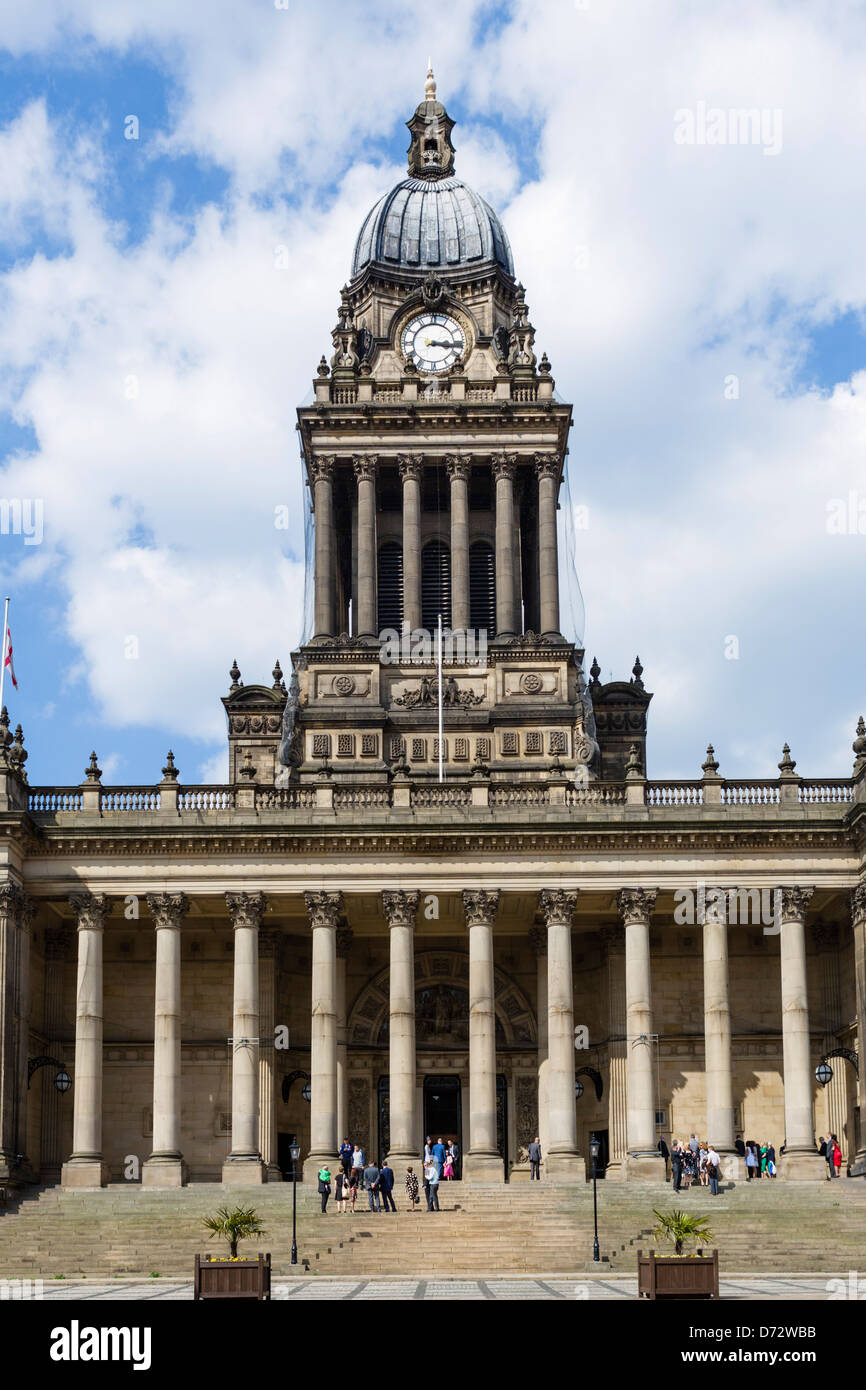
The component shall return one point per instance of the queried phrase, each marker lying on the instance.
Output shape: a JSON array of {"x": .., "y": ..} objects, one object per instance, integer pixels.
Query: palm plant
[
  {"x": 239, "y": 1223},
  {"x": 681, "y": 1228}
]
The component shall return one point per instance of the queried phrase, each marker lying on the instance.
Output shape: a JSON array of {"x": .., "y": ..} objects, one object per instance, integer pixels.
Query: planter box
[
  {"x": 678, "y": 1276},
  {"x": 235, "y": 1279}
]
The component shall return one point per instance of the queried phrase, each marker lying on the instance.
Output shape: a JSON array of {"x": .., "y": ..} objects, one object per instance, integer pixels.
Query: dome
[{"x": 425, "y": 224}]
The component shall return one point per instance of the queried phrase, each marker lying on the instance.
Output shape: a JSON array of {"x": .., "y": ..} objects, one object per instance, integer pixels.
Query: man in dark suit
[
  {"x": 676, "y": 1165},
  {"x": 665, "y": 1153},
  {"x": 535, "y": 1159},
  {"x": 371, "y": 1182},
  {"x": 386, "y": 1186}
]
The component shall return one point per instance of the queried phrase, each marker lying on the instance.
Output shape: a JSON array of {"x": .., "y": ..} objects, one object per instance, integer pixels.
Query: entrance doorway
[{"x": 443, "y": 1113}]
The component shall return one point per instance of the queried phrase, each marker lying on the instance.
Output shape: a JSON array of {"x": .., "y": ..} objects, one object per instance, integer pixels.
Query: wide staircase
[{"x": 518, "y": 1229}]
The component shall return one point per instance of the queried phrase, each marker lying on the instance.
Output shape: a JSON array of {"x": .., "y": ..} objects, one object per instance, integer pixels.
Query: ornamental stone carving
[
  {"x": 636, "y": 904},
  {"x": 531, "y": 683},
  {"x": 795, "y": 901},
  {"x": 344, "y": 685},
  {"x": 364, "y": 466},
  {"x": 458, "y": 467},
  {"x": 426, "y": 692},
  {"x": 504, "y": 466},
  {"x": 858, "y": 905},
  {"x": 322, "y": 468},
  {"x": 324, "y": 909},
  {"x": 167, "y": 909},
  {"x": 557, "y": 906},
  {"x": 480, "y": 906},
  {"x": 400, "y": 907},
  {"x": 91, "y": 909},
  {"x": 546, "y": 465},
  {"x": 245, "y": 909},
  {"x": 410, "y": 466}
]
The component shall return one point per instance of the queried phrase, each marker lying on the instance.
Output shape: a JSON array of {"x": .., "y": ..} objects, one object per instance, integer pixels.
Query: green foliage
[
  {"x": 681, "y": 1228},
  {"x": 239, "y": 1223}
]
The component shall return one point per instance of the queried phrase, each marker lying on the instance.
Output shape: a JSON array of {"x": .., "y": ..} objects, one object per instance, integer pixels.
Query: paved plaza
[{"x": 801, "y": 1287}]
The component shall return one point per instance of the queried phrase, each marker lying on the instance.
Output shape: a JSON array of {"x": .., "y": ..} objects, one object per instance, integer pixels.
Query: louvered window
[
  {"x": 435, "y": 585},
  {"x": 390, "y": 585},
  {"x": 482, "y": 588}
]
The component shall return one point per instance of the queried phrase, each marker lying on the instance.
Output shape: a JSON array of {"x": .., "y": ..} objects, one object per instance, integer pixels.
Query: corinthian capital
[
  {"x": 858, "y": 905},
  {"x": 410, "y": 466},
  {"x": 246, "y": 909},
  {"x": 504, "y": 466},
  {"x": 479, "y": 906},
  {"x": 400, "y": 908},
  {"x": 636, "y": 904},
  {"x": 322, "y": 468},
  {"x": 557, "y": 906},
  {"x": 168, "y": 909},
  {"x": 546, "y": 465},
  {"x": 324, "y": 909},
  {"x": 457, "y": 466},
  {"x": 794, "y": 903},
  {"x": 91, "y": 909},
  {"x": 365, "y": 467}
]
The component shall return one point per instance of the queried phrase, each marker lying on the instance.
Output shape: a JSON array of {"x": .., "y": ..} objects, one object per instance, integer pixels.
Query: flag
[{"x": 9, "y": 662}]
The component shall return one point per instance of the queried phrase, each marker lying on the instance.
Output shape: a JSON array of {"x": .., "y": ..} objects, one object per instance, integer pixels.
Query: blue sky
[{"x": 703, "y": 307}]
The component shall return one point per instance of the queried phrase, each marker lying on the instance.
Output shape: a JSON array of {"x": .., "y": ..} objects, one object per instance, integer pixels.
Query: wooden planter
[
  {"x": 236, "y": 1279},
  {"x": 678, "y": 1276}
]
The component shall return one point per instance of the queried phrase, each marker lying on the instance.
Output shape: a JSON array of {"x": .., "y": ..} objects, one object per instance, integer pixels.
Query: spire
[
  {"x": 431, "y": 154},
  {"x": 430, "y": 84}
]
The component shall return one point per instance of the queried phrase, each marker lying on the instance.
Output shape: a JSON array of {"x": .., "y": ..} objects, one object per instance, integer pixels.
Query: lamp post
[
  {"x": 294, "y": 1155},
  {"x": 594, "y": 1147}
]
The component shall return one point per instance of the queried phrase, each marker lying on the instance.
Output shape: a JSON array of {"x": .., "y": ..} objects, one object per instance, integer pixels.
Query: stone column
[
  {"x": 547, "y": 471},
  {"x": 85, "y": 1166},
  {"x": 165, "y": 1166},
  {"x": 16, "y": 912},
  {"x": 25, "y": 924},
  {"x": 411, "y": 471},
  {"x": 324, "y": 910},
  {"x": 562, "y": 1160},
  {"x": 613, "y": 941},
  {"x": 504, "y": 468},
  {"x": 56, "y": 953},
  {"x": 322, "y": 474},
  {"x": 345, "y": 937},
  {"x": 368, "y": 617},
  {"x": 483, "y": 1161},
  {"x": 244, "y": 1163},
  {"x": 717, "y": 1038},
  {"x": 800, "y": 1159},
  {"x": 643, "y": 1160},
  {"x": 400, "y": 911},
  {"x": 825, "y": 936},
  {"x": 459, "y": 470},
  {"x": 538, "y": 938},
  {"x": 269, "y": 945},
  {"x": 857, "y": 1169}
]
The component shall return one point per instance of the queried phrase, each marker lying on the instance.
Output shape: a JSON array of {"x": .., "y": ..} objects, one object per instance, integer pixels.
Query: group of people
[
  {"x": 356, "y": 1174},
  {"x": 760, "y": 1158},
  {"x": 694, "y": 1162},
  {"x": 829, "y": 1149}
]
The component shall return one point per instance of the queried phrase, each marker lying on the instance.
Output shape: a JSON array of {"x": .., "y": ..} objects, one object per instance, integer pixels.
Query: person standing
[
  {"x": 835, "y": 1156},
  {"x": 455, "y": 1156},
  {"x": 359, "y": 1160},
  {"x": 355, "y": 1179},
  {"x": 535, "y": 1159},
  {"x": 346, "y": 1150},
  {"x": 371, "y": 1182},
  {"x": 750, "y": 1162},
  {"x": 439, "y": 1155},
  {"x": 676, "y": 1165},
  {"x": 341, "y": 1190},
  {"x": 325, "y": 1187},
  {"x": 386, "y": 1186},
  {"x": 666, "y": 1155},
  {"x": 411, "y": 1188},
  {"x": 713, "y": 1170},
  {"x": 431, "y": 1174},
  {"x": 740, "y": 1146}
]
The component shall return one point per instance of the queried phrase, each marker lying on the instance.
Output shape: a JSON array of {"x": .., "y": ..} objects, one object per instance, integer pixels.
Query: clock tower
[{"x": 434, "y": 455}]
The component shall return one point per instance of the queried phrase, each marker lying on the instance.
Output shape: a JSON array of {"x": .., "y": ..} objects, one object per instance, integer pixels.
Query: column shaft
[
  {"x": 85, "y": 1167},
  {"x": 400, "y": 909},
  {"x": 56, "y": 947},
  {"x": 268, "y": 1069},
  {"x": 717, "y": 1037},
  {"x": 504, "y": 467},
  {"x": 322, "y": 471},
  {"x": 365, "y": 472},
  {"x": 244, "y": 1163},
  {"x": 858, "y": 920},
  {"x": 617, "y": 1094},
  {"x": 458, "y": 472},
  {"x": 344, "y": 945},
  {"x": 164, "y": 1167},
  {"x": 644, "y": 1160},
  {"x": 411, "y": 472},
  {"x": 562, "y": 1160},
  {"x": 538, "y": 936},
  {"x": 800, "y": 1159},
  {"x": 324, "y": 910},
  {"x": 547, "y": 469},
  {"x": 483, "y": 1161}
]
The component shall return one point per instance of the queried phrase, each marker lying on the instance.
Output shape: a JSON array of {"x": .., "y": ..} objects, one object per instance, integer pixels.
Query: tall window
[
  {"x": 435, "y": 585},
  {"x": 482, "y": 587},
  {"x": 390, "y": 587}
]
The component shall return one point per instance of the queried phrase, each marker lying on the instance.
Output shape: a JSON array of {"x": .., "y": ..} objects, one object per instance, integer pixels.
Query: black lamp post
[
  {"x": 594, "y": 1147},
  {"x": 294, "y": 1155}
]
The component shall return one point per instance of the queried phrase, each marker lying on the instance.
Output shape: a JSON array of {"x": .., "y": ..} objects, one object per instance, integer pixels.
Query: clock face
[{"x": 433, "y": 342}]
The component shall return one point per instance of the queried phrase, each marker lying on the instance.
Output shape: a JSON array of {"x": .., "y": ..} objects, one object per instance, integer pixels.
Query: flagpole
[
  {"x": 439, "y": 686},
  {"x": 3, "y": 662}
]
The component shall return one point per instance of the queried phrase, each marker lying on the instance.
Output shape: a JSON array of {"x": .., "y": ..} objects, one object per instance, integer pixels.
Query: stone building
[{"x": 439, "y": 893}]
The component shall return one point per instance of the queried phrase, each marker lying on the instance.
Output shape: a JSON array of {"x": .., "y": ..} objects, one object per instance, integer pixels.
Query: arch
[
  {"x": 368, "y": 1017},
  {"x": 482, "y": 587},
  {"x": 389, "y": 585},
  {"x": 435, "y": 585}
]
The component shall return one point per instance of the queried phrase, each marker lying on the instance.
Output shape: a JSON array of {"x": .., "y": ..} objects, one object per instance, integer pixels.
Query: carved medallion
[
  {"x": 344, "y": 685},
  {"x": 531, "y": 682}
]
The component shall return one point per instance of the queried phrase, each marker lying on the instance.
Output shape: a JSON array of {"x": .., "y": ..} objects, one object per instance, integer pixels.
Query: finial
[
  {"x": 248, "y": 770},
  {"x": 709, "y": 767},
  {"x": 633, "y": 767},
  {"x": 323, "y": 369},
  {"x": 787, "y": 765},
  {"x": 5, "y": 736},
  {"x": 93, "y": 772},
  {"x": 277, "y": 674},
  {"x": 169, "y": 772},
  {"x": 430, "y": 84},
  {"x": 595, "y": 672},
  {"x": 236, "y": 677},
  {"x": 859, "y": 746},
  {"x": 544, "y": 365},
  {"x": 636, "y": 673},
  {"x": 17, "y": 752}
]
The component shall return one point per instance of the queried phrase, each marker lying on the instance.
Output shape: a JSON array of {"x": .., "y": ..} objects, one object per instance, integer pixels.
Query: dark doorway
[
  {"x": 284, "y": 1161},
  {"x": 502, "y": 1121},
  {"x": 443, "y": 1114},
  {"x": 603, "y": 1154}
]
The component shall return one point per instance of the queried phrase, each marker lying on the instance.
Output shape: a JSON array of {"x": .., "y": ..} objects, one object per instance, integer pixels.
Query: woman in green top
[
  {"x": 763, "y": 1160},
  {"x": 325, "y": 1186}
]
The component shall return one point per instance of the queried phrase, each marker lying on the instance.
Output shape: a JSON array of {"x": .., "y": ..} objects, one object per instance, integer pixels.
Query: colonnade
[{"x": 507, "y": 548}]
